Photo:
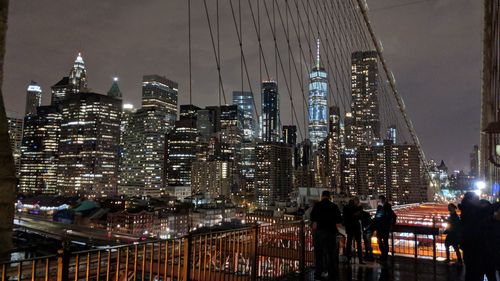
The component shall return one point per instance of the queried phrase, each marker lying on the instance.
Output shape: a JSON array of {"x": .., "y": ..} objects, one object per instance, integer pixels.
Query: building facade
[
  {"x": 180, "y": 152},
  {"x": 89, "y": 145},
  {"x": 74, "y": 83},
  {"x": 318, "y": 103},
  {"x": 246, "y": 105},
  {"x": 39, "y": 151},
  {"x": 33, "y": 98},
  {"x": 15, "y": 130},
  {"x": 270, "y": 116},
  {"x": 212, "y": 178},
  {"x": 143, "y": 163},
  {"x": 273, "y": 174},
  {"x": 365, "y": 104}
]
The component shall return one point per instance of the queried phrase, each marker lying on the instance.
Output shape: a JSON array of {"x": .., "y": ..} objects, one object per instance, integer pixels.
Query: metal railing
[{"x": 263, "y": 252}]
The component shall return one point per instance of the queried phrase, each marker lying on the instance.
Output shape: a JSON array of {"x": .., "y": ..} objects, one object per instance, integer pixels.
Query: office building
[
  {"x": 365, "y": 104},
  {"x": 39, "y": 151},
  {"x": 74, "y": 83},
  {"x": 33, "y": 98},
  {"x": 89, "y": 145},
  {"x": 273, "y": 174},
  {"x": 246, "y": 105},
  {"x": 180, "y": 152},
  {"x": 211, "y": 178},
  {"x": 15, "y": 130},
  {"x": 318, "y": 103},
  {"x": 270, "y": 116},
  {"x": 143, "y": 168}
]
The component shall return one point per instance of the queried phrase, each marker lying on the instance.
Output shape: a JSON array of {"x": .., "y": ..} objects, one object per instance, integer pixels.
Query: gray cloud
[{"x": 433, "y": 48}]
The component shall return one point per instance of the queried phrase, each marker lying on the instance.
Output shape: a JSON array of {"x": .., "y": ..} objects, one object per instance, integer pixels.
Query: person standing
[
  {"x": 352, "y": 221},
  {"x": 367, "y": 228},
  {"x": 452, "y": 233},
  {"x": 325, "y": 219},
  {"x": 470, "y": 217},
  {"x": 385, "y": 218}
]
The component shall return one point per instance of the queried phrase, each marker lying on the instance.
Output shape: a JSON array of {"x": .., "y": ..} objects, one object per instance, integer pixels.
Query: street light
[{"x": 493, "y": 131}]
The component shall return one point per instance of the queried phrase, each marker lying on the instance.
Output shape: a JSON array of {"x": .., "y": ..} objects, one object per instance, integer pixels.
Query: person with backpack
[{"x": 385, "y": 219}]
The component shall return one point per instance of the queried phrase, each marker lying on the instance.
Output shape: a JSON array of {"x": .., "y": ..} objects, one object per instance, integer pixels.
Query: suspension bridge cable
[
  {"x": 189, "y": 43},
  {"x": 392, "y": 85},
  {"x": 243, "y": 58},
  {"x": 217, "y": 58}
]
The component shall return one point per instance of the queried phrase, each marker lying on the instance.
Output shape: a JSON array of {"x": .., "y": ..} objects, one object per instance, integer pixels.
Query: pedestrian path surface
[{"x": 399, "y": 269}]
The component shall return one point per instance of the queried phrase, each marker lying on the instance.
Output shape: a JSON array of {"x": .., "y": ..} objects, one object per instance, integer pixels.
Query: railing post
[
  {"x": 62, "y": 264},
  {"x": 434, "y": 241},
  {"x": 392, "y": 244},
  {"x": 434, "y": 248},
  {"x": 255, "y": 257},
  {"x": 416, "y": 245},
  {"x": 302, "y": 251},
  {"x": 187, "y": 258}
]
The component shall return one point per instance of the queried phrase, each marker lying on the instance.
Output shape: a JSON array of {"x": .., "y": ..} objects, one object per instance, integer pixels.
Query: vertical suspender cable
[{"x": 189, "y": 43}]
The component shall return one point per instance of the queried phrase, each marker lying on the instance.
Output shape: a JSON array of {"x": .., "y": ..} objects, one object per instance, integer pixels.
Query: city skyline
[{"x": 413, "y": 87}]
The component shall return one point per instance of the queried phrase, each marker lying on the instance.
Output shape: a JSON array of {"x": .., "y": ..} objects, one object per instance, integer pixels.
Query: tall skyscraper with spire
[
  {"x": 72, "y": 84},
  {"x": 78, "y": 75},
  {"x": 318, "y": 103},
  {"x": 33, "y": 98}
]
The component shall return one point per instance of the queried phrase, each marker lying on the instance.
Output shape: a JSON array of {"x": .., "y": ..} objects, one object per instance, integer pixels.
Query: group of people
[
  {"x": 326, "y": 220},
  {"x": 477, "y": 233}
]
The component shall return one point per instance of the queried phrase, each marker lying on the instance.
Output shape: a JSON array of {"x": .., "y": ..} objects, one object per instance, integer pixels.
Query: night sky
[{"x": 433, "y": 47}]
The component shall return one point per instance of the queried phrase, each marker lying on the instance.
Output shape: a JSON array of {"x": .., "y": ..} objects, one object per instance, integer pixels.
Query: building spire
[
  {"x": 114, "y": 91},
  {"x": 78, "y": 74},
  {"x": 79, "y": 59},
  {"x": 317, "y": 54}
]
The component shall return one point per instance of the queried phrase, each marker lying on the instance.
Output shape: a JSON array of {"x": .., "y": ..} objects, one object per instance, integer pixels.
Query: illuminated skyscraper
[
  {"x": 180, "y": 152},
  {"x": 72, "y": 84},
  {"x": 245, "y": 103},
  {"x": 89, "y": 145},
  {"x": 143, "y": 165},
  {"x": 270, "y": 123},
  {"x": 318, "y": 107},
  {"x": 273, "y": 174},
  {"x": 333, "y": 146},
  {"x": 365, "y": 105},
  {"x": 15, "y": 129},
  {"x": 39, "y": 151},
  {"x": 78, "y": 75},
  {"x": 212, "y": 178},
  {"x": 33, "y": 98}
]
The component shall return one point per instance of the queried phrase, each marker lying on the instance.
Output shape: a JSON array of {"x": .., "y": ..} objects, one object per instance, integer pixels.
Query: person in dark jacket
[
  {"x": 367, "y": 228},
  {"x": 487, "y": 225},
  {"x": 352, "y": 221},
  {"x": 385, "y": 218},
  {"x": 325, "y": 218},
  {"x": 476, "y": 217},
  {"x": 452, "y": 233},
  {"x": 496, "y": 235}
]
